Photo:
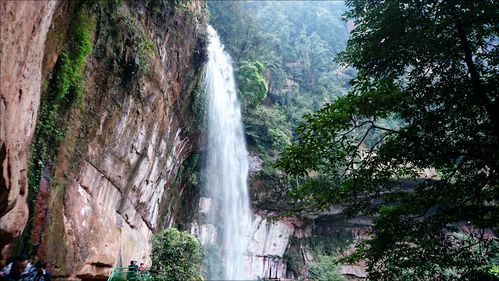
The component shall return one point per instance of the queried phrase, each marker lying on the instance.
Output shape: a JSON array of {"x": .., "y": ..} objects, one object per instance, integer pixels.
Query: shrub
[
  {"x": 252, "y": 85},
  {"x": 324, "y": 268},
  {"x": 176, "y": 255}
]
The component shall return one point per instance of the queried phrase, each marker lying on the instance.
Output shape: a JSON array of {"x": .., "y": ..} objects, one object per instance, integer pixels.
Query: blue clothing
[
  {"x": 28, "y": 273},
  {"x": 43, "y": 276}
]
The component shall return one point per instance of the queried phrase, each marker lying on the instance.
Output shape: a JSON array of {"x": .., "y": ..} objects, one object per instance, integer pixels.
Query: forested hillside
[{"x": 284, "y": 57}]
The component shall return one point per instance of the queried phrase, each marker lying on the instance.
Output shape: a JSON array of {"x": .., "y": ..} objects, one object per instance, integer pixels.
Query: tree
[
  {"x": 251, "y": 82},
  {"x": 433, "y": 66},
  {"x": 176, "y": 255}
]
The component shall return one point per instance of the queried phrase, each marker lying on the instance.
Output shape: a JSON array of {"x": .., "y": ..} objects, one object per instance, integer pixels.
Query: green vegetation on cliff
[
  {"x": 324, "y": 268},
  {"x": 65, "y": 86},
  {"x": 326, "y": 249},
  {"x": 252, "y": 83}
]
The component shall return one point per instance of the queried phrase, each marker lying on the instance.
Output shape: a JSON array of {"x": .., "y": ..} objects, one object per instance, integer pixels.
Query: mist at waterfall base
[{"x": 227, "y": 161}]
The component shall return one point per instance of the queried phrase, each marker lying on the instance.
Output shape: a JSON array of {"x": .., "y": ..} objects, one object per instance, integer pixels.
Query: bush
[
  {"x": 176, "y": 255},
  {"x": 252, "y": 85},
  {"x": 324, "y": 268}
]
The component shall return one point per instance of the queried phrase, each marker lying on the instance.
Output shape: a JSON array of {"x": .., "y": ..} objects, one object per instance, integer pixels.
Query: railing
[{"x": 126, "y": 274}]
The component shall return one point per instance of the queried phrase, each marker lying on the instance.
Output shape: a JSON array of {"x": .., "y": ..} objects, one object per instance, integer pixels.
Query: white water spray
[{"x": 227, "y": 159}]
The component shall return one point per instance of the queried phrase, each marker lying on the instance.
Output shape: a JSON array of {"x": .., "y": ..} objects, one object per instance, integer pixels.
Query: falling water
[{"x": 227, "y": 159}]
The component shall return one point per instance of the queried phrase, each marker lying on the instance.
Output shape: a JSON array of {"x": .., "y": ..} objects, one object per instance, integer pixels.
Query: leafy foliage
[
  {"x": 324, "y": 268},
  {"x": 251, "y": 83},
  {"x": 267, "y": 127},
  {"x": 176, "y": 255},
  {"x": 145, "y": 52},
  {"x": 433, "y": 66},
  {"x": 138, "y": 41},
  {"x": 326, "y": 250}
]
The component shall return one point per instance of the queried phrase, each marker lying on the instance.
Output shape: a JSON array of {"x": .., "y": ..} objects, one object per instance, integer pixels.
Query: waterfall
[{"x": 227, "y": 160}]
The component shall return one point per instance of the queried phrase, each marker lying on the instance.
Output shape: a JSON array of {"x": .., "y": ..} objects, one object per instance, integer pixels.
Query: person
[
  {"x": 132, "y": 271},
  {"x": 133, "y": 266},
  {"x": 142, "y": 267},
  {"x": 41, "y": 271},
  {"x": 18, "y": 270}
]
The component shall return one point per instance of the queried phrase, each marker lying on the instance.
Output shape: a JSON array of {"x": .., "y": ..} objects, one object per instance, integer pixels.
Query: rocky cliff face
[
  {"x": 115, "y": 177},
  {"x": 24, "y": 26},
  {"x": 282, "y": 249},
  {"x": 286, "y": 247},
  {"x": 268, "y": 245}
]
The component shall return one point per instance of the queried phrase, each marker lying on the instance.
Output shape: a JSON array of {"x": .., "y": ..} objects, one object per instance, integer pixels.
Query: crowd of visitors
[
  {"x": 20, "y": 268},
  {"x": 134, "y": 269}
]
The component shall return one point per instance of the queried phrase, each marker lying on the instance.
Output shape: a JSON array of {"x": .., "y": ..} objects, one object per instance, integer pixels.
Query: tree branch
[{"x": 478, "y": 89}]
